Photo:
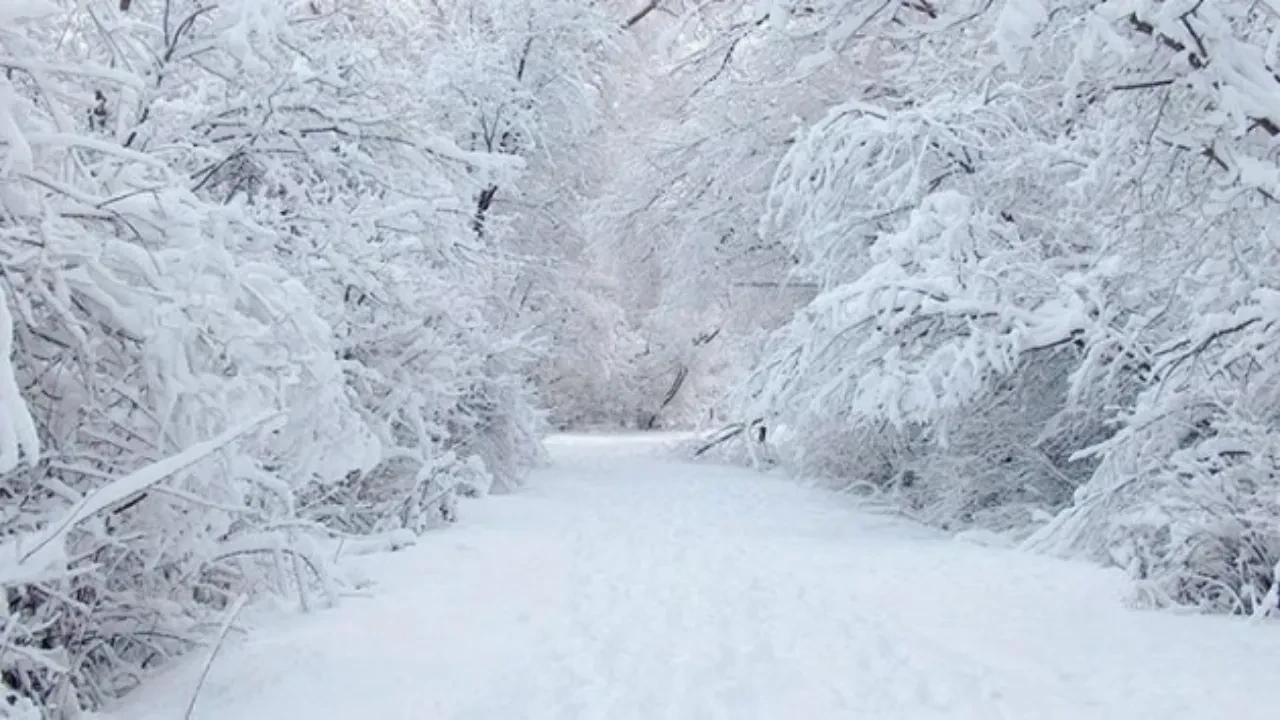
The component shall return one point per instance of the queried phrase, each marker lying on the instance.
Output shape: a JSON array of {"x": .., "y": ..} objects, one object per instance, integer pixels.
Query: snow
[
  {"x": 24, "y": 561},
  {"x": 957, "y": 248},
  {"x": 625, "y": 584},
  {"x": 18, "y": 439},
  {"x": 14, "y": 10},
  {"x": 1015, "y": 30}
]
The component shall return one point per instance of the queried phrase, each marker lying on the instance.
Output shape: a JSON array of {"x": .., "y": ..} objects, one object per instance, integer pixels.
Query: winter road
[{"x": 623, "y": 585}]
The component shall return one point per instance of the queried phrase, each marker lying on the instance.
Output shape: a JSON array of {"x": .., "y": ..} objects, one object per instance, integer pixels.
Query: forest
[{"x": 282, "y": 280}]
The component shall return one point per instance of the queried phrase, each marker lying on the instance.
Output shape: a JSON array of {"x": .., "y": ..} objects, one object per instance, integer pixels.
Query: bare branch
[{"x": 641, "y": 14}]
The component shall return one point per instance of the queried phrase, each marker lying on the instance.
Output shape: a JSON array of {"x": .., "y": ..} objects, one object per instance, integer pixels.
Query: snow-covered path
[{"x": 623, "y": 585}]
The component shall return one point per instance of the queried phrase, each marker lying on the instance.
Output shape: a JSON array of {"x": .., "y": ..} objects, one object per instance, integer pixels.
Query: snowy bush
[
  {"x": 1187, "y": 496},
  {"x": 1043, "y": 237},
  {"x": 138, "y": 335},
  {"x": 243, "y": 310}
]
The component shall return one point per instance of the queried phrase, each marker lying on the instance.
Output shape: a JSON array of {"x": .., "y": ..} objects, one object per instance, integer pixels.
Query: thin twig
[{"x": 222, "y": 636}]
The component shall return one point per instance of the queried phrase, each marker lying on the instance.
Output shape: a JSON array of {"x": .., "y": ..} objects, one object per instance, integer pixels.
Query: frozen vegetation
[{"x": 286, "y": 284}]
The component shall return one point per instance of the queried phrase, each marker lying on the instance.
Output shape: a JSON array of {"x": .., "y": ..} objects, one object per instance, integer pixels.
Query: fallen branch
[{"x": 729, "y": 432}]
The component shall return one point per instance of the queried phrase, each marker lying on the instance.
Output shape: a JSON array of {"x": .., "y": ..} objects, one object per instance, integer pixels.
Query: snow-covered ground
[{"x": 622, "y": 584}]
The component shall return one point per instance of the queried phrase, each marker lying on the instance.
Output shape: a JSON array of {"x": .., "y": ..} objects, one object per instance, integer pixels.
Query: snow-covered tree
[
  {"x": 533, "y": 82},
  {"x": 705, "y": 117}
]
